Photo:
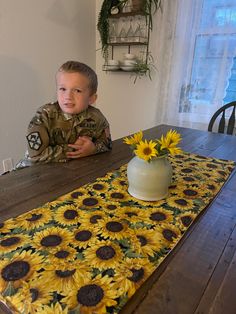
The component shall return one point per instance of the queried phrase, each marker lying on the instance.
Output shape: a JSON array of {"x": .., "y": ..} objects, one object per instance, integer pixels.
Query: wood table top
[{"x": 199, "y": 276}]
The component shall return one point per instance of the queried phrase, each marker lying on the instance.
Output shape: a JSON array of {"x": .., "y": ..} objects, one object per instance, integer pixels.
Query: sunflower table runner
[{"x": 90, "y": 250}]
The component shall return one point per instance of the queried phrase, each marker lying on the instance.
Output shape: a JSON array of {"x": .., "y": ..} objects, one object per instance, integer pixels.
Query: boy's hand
[{"x": 83, "y": 146}]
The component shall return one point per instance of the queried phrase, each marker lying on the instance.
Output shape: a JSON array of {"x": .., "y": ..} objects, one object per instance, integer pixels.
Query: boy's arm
[
  {"x": 38, "y": 142},
  {"x": 103, "y": 141}
]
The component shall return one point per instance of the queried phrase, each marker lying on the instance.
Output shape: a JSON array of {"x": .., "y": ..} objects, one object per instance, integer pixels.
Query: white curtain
[{"x": 198, "y": 54}]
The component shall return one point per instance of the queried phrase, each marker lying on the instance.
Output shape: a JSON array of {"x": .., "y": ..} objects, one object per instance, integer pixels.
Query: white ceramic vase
[{"x": 149, "y": 181}]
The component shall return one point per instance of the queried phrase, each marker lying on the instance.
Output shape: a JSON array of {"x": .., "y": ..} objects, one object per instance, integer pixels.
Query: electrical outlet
[{"x": 7, "y": 164}]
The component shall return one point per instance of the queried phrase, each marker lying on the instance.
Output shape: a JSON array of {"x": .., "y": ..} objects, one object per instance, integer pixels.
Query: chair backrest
[{"x": 221, "y": 116}]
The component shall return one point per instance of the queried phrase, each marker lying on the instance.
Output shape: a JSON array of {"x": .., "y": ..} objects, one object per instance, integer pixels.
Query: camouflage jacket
[{"x": 51, "y": 130}]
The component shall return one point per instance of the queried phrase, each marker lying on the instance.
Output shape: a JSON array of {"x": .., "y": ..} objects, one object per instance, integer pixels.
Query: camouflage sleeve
[
  {"x": 103, "y": 140},
  {"x": 38, "y": 141}
]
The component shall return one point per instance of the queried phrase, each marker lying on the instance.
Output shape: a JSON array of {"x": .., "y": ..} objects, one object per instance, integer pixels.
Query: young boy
[{"x": 70, "y": 128}]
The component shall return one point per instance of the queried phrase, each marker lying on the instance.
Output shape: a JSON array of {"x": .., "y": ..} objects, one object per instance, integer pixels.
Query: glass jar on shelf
[
  {"x": 122, "y": 37},
  {"x": 113, "y": 31}
]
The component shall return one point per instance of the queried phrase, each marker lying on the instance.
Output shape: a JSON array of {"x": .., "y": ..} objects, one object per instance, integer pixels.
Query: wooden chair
[{"x": 220, "y": 114}]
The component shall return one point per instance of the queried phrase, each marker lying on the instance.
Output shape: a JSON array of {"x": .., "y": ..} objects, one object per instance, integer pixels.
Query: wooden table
[{"x": 200, "y": 275}]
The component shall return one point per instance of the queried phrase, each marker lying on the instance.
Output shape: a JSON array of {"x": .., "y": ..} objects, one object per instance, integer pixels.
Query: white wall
[
  {"x": 130, "y": 107},
  {"x": 36, "y": 37}
]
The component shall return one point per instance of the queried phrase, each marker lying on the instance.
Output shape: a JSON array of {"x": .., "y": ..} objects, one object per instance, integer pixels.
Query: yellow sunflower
[
  {"x": 51, "y": 238},
  {"x": 120, "y": 183},
  {"x": 148, "y": 242},
  {"x": 135, "y": 139},
  {"x": 6, "y": 226},
  {"x": 131, "y": 274},
  {"x": 63, "y": 255},
  {"x": 189, "y": 179},
  {"x": 170, "y": 141},
  {"x": 92, "y": 296},
  {"x": 157, "y": 215},
  {"x": 146, "y": 150},
  {"x": 103, "y": 255},
  {"x": 111, "y": 207},
  {"x": 191, "y": 192},
  {"x": 67, "y": 215},
  {"x": 91, "y": 218},
  {"x": 98, "y": 187},
  {"x": 35, "y": 218},
  {"x": 31, "y": 296},
  {"x": 118, "y": 195},
  {"x": 11, "y": 243},
  {"x": 83, "y": 236},
  {"x": 131, "y": 214},
  {"x": 21, "y": 267},
  {"x": 180, "y": 203},
  {"x": 65, "y": 277},
  {"x": 53, "y": 309},
  {"x": 78, "y": 193},
  {"x": 112, "y": 228},
  {"x": 212, "y": 187},
  {"x": 88, "y": 202},
  {"x": 168, "y": 234},
  {"x": 184, "y": 220}
]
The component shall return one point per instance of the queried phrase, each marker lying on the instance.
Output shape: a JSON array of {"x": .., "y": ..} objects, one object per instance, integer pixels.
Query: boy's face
[{"x": 73, "y": 92}]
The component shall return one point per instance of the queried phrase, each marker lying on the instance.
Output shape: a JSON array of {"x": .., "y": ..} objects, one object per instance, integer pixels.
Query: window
[{"x": 212, "y": 78}]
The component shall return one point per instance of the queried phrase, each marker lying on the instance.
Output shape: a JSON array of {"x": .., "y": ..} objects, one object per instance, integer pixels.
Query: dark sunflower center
[
  {"x": 137, "y": 274},
  {"x": 105, "y": 252},
  {"x": 211, "y": 187},
  {"x": 190, "y": 192},
  {"x": 188, "y": 179},
  {"x": 76, "y": 194},
  {"x": 212, "y": 166},
  {"x": 111, "y": 207},
  {"x": 34, "y": 294},
  {"x": 131, "y": 214},
  {"x": 169, "y": 235},
  {"x": 186, "y": 220},
  {"x": 1, "y": 224},
  {"x": 181, "y": 202},
  {"x": 117, "y": 195},
  {"x": 114, "y": 226},
  {"x": 65, "y": 273},
  {"x": 70, "y": 214},
  {"x": 98, "y": 186},
  {"x": 157, "y": 216},
  {"x": 147, "y": 151},
  {"x": 83, "y": 235},
  {"x": 90, "y": 295},
  {"x": 51, "y": 240},
  {"x": 186, "y": 170},
  {"x": 143, "y": 241},
  {"x": 34, "y": 217},
  {"x": 62, "y": 254},
  {"x": 15, "y": 270},
  {"x": 122, "y": 183},
  {"x": 90, "y": 201},
  {"x": 94, "y": 219},
  {"x": 10, "y": 241}
]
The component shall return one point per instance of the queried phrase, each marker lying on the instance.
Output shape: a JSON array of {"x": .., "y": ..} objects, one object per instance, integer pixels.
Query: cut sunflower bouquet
[{"x": 148, "y": 150}]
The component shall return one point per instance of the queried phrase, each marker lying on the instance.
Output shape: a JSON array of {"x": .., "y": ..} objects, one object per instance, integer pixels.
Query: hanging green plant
[{"x": 147, "y": 7}]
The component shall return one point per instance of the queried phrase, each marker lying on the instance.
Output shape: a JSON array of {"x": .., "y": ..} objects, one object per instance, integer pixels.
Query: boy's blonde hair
[{"x": 82, "y": 68}]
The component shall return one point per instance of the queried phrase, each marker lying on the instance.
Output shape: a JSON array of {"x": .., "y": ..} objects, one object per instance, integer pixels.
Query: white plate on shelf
[
  {"x": 112, "y": 67},
  {"x": 127, "y": 67}
]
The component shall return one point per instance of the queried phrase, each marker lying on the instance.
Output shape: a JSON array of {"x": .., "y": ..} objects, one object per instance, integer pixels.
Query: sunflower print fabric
[{"x": 90, "y": 250}]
